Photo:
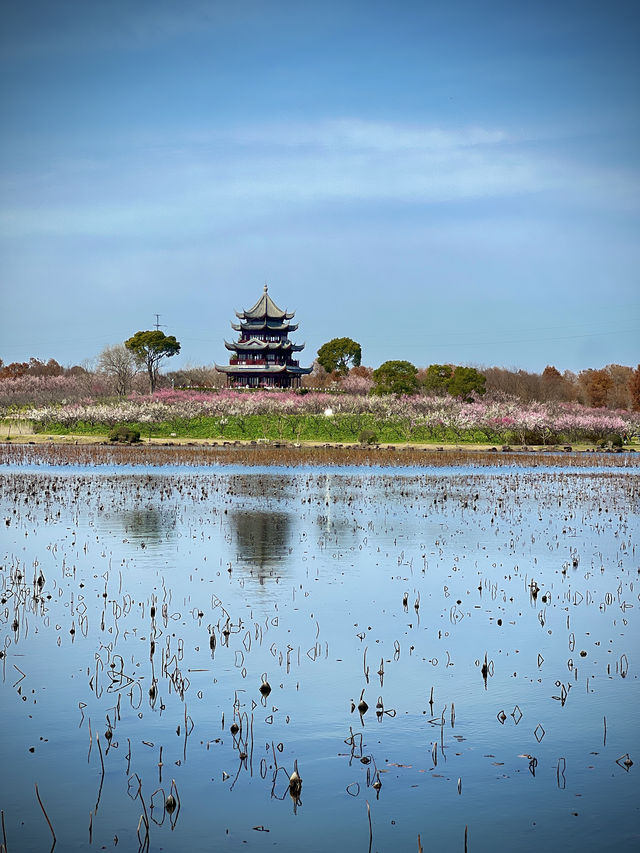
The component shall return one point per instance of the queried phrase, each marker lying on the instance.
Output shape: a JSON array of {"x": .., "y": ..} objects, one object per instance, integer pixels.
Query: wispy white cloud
[
  {"x": 361, "y": 135},
  {"x": 160, "y": 185}
]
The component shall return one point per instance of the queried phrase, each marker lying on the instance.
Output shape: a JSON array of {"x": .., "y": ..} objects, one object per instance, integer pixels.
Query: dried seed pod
[
  {"x": 362, "y": 705},
  {"x": 265, "y": 687},
  {"x": 295, "y": 782}
]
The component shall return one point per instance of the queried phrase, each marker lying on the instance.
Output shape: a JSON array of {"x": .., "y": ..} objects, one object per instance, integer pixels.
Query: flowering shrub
[
  {"x": 41, "y": 390},
  {"x": 287, "y": 414},
  {"x": 354, "y": 384}
]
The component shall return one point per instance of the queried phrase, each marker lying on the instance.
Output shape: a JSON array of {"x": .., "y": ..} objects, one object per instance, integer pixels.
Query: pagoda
[{"x": 262, "y": 355}]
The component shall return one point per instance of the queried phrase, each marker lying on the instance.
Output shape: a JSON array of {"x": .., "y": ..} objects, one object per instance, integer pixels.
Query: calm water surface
[{"x": 488, "y": 619}]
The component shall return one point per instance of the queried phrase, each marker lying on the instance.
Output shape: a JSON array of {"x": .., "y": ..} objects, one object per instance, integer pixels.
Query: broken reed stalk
[
  {"x": 186, "y": 735},
  {"x": 45, "y": 815},
  {"x": 466, "y": 833},
  {"x": 420, "y": 850},
  {"x": 95, "y": 808},
  {"x": 144, "y": 843},
  {"x": 4, "y": 834},
  {"x": 174, "y": 790},
  {"x": 370, "y": 827},
  {"x": 100, "y": 751},
  {"x": 144, "y": 818}
]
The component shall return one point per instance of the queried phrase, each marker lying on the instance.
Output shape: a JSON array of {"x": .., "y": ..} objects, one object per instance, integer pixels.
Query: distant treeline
[
  {"x": 615, "y": 386},
  {"x": 36, "y": 367}
]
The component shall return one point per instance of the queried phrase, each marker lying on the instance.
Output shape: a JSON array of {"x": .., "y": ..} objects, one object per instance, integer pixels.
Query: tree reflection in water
[{"x": 150, "y": 525}]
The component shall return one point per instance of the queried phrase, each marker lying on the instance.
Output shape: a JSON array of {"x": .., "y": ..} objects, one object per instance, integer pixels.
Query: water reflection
[
  {"x": 148, "y": 525},
  {"x": 262, "y": 541},
  {"x": 460, "y": 609}
]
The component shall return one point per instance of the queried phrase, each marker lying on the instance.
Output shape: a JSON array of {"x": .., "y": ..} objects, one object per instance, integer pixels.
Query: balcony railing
[{"x": 261, "y": 361}]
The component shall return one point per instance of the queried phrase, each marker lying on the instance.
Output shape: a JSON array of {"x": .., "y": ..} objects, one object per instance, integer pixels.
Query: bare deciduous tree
[
  {"x": 634, "y": 389},
  {"x": 195, "y": 376},
  {"x": 620, "y": 394},
  {"x": 120, "y": 364}
]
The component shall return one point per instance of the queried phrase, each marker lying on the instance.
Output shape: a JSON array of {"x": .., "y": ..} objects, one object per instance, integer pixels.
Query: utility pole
[{"x": 159, "y": 325}]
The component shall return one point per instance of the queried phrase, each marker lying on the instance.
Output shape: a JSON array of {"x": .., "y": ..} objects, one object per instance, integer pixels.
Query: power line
[
  {"x": 535, "y": 329},
  {"x": 186, "y": 339},
  {"x": 518, "y": 340}
]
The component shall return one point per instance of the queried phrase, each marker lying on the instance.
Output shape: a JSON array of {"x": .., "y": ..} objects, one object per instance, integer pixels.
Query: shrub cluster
[{"x": 124, "y": 434}]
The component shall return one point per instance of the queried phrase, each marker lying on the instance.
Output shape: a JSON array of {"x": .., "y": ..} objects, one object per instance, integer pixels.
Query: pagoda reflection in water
[{"x": 262, "y": 541}]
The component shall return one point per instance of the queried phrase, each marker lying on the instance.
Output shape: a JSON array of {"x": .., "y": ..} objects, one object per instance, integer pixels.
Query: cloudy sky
[{"x": 442, "y": 181}]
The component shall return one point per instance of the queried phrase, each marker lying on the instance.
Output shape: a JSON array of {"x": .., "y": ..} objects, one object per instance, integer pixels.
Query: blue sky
[{"x": 443, "y": 182}]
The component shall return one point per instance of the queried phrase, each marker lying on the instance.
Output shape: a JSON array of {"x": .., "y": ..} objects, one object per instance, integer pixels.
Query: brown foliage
[
  {"x": 619, "y": 395},
  {"x": 14, "y": 370},
  {"x": 551, "y": 373},
  {"x": 553, "y": 385},
  {"x": 33, "y": 367},
  {"x": 608, "y": 387},
  {"x": 318, "y": 378},
  {"x": 634, "y": 389},
  {"x": 362, "y": 371},
  {"x": 516, "y": 383},
  {"x": 603, "y": 386}
]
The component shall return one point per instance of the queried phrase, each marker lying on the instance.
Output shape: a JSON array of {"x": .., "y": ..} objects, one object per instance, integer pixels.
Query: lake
[{"x": 448, "y": 656}]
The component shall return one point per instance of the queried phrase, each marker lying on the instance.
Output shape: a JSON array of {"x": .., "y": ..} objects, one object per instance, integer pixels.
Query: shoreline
[{"x": 94, "y": 451}]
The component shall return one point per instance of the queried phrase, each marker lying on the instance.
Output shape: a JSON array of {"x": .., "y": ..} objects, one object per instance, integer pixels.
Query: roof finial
[{"x": 266, "y": 287}]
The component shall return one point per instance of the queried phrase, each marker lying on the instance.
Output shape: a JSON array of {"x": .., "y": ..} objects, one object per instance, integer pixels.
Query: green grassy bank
[{"x": 339, "y": 428}]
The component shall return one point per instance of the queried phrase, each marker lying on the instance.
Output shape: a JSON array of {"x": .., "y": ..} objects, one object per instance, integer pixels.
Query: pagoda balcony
[
  {"x": 260, "y": 336},
  {"x": 262, "y": 361}
]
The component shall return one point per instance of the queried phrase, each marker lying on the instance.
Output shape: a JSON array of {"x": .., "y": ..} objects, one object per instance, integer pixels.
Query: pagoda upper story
[{"x": 262, "y": 355}]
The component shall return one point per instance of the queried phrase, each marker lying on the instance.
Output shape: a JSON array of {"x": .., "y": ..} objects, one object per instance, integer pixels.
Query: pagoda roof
[
  {"x": 265, "y": 309},
  {"x": 264, "y": 325},
  {"x": 256, "y": 345}
]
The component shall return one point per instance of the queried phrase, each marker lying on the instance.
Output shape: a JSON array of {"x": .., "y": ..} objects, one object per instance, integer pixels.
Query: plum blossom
[{"x": 411, "y": 418}]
